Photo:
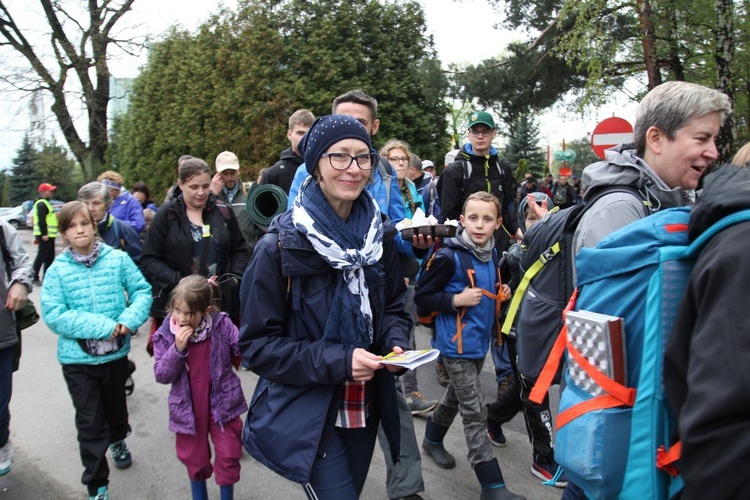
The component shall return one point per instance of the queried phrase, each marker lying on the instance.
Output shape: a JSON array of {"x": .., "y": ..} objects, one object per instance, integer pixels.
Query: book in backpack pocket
[{"x": 598, "y": 338}]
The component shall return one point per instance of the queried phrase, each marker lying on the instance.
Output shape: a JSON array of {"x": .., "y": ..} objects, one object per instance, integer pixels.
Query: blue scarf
[{"x": 351, "y": 246}]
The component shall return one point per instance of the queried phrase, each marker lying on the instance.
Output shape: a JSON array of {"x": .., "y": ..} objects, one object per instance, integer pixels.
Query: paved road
[{"x": 48, "y": 466}]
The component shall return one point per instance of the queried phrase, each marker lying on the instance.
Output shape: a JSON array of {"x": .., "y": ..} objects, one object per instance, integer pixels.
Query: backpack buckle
[{"x": 547, "y": 255}]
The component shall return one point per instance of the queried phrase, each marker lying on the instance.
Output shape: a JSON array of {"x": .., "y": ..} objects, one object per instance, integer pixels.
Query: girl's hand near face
[{"x": 182, "y": 336}]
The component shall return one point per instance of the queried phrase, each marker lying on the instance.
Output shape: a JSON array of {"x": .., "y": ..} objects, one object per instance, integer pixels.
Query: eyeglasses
[
  {"x": 480, "y": 133},
  {"x": 398, "y": 159},
  {"x": 342, "y": 161}
]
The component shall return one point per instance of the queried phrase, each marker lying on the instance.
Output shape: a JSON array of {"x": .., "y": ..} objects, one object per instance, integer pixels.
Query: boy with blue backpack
[{"x": 461, "y": 283}]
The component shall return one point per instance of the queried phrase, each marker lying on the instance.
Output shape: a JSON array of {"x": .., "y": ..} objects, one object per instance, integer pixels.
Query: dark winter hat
[{"x": 327, "y": 131}]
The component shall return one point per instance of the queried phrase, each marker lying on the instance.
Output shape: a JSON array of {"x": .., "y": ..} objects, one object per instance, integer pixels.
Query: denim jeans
[
  {"x": 501, "y": 358},
  {"x": 341, "y": 474}
]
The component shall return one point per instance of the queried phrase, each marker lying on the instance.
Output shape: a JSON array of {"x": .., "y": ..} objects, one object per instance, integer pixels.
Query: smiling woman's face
[{"x": 342, "y": 187}]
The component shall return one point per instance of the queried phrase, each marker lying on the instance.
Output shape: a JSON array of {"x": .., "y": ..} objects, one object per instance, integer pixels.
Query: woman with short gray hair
[{"x": 112, "y": 231}]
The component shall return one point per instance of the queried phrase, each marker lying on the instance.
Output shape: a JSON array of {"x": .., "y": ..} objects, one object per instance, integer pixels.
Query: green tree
[
  {"x": 521, "y": 81},
  {"x": 523, "y": 144},
  {"x": 233, "y": 85},
  {"x": 522, "y": 169},
  {"x": 609, "y": 41},
  {"x": 23, "y": 183},
  {"x": 53, "y": 164}
]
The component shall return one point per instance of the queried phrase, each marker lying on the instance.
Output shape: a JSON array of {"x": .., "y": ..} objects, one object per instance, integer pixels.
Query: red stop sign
[{"x": 609, "y": 133}]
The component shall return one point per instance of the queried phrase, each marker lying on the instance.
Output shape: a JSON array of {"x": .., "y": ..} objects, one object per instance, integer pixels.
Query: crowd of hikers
[{"x": 623, "y": 286}]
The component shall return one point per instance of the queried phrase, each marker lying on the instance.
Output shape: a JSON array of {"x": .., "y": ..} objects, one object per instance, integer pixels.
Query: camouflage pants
[{"x": 464, "y": 395}]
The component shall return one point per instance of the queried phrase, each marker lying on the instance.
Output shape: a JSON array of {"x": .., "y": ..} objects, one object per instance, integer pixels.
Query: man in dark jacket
[
  {"x": 564, "y": 194},
  {"x": 282, "y": 172},
  {"x": 478, "y": 168},
  {"x": 706, "y": 373},
  {"x": 15, "y": 285}
]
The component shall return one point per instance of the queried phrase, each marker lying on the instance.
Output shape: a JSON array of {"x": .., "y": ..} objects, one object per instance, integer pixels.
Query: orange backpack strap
[
  {"x": 547, "y": 375},
  {"x": 666, "y": 459},
  {"x": 498, "y": 297},
  {"x": 616, "y": 394}
]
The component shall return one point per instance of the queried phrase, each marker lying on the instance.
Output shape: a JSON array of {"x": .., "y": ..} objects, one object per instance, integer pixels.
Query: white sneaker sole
[{"x": 558, "y": 484}]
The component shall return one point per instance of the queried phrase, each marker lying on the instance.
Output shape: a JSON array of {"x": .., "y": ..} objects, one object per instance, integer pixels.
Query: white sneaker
[{"x": 7, "y": 457}]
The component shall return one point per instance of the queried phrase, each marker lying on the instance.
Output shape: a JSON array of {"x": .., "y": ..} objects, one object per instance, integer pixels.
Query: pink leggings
[{"x": 195, "y": 453}]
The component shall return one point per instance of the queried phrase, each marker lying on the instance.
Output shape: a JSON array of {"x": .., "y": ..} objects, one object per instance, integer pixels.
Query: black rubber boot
[
  {"x": 432, "y": 444},
  {"x": 493, "y": 484}
]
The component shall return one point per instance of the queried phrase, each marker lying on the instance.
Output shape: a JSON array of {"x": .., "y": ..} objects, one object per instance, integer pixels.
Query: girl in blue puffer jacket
[
  {"x": 84, "y": 302},
  {"x": 196, "y": 339}
]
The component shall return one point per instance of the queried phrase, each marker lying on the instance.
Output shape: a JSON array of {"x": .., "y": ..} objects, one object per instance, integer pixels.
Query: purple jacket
[
  {"x": 227, "y": 398},
  {"x": 127, "y": 208}
]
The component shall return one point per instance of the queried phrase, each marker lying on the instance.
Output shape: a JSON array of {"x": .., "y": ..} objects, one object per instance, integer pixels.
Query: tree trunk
[
  {"x": 673, "y": 42},
  {"x": 724, "y": 79},
  {"x": 648, "y": 40}
]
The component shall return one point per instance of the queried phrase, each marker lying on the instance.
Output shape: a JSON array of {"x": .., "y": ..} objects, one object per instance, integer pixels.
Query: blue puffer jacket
[
  {"x": 170, "y": 367},
  {"x": 87, "y": 303},
  {"x": 293, "y": 410}
]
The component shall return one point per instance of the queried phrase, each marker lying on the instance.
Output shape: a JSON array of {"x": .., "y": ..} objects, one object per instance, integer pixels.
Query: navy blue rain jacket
[{"x": 286, "y": 294}]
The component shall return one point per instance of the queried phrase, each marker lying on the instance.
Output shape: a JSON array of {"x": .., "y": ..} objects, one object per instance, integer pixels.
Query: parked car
[
  {"x": 29, "y": 216},
  {"x": 16, "y": 217}
]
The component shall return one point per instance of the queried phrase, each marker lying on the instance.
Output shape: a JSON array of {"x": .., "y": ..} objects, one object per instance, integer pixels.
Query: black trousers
[
  {"x": 537, "y": 416},
  {"x": 98, "y": 394},
  {"x": 45, "y": 255}
]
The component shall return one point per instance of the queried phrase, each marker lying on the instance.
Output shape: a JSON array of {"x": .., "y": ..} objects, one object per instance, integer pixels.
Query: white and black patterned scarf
[{"x": 350, "y": 246}]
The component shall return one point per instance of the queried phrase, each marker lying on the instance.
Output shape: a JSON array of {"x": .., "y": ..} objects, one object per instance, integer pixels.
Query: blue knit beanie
[{"x": 327, "y": 131}]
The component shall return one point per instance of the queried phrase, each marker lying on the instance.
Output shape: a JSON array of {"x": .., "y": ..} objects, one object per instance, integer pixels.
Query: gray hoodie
[{"x": 615, "y": 210}]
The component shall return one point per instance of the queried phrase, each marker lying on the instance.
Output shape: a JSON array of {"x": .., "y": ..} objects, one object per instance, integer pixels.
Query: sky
[{"x": 462, "y": 30}]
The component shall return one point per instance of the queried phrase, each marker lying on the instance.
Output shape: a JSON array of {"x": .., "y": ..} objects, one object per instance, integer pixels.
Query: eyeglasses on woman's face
[
  {"x": 399, "y": 159},
  {"x": 342, "y": 161}
]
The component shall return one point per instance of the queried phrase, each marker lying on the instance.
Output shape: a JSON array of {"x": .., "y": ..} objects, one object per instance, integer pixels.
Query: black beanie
[{"x": 327, "y": 131}]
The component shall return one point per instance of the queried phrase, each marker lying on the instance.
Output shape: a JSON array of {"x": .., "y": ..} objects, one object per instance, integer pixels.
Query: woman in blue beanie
[{"x": 322, "y": 301}]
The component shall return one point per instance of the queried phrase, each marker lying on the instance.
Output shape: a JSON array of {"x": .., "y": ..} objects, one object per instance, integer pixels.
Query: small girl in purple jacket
[{"x": 194, "y": 350}]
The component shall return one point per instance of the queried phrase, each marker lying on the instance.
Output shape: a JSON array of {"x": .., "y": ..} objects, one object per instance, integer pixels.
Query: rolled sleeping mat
[{"x": 264, "y": 202}]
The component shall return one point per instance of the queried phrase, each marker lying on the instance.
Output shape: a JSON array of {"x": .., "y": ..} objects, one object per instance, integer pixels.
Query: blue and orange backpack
[{"x": 617, "y": 444}]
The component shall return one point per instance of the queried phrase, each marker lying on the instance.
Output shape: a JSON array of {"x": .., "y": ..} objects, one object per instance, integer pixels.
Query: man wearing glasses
[{"x": 477, "y": 167}]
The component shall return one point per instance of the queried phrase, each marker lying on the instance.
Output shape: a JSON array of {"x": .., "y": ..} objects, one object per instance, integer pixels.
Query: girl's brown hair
[
  {"x": 70, "y": 210},
  {"x": 195, "y": 291}
]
